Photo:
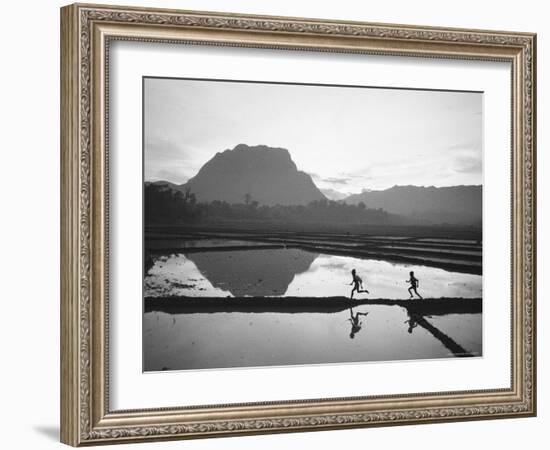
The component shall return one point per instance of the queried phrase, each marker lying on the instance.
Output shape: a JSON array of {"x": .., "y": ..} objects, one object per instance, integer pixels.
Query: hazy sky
[{"x": 348, "y": 139}]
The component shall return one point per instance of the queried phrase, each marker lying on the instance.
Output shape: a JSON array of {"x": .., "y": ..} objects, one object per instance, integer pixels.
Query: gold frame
[{"x": 86, "y": 31}]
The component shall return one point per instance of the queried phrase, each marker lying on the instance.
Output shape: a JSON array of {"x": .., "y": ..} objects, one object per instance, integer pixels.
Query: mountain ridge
[
  {"x": 431, "y": 204},
  {"x": 268, "y": 176},
  {"x": 260, "y": 173}
]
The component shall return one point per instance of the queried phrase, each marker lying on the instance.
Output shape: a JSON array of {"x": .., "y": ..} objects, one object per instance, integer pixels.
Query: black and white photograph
[{"x": 296, "y": 224}]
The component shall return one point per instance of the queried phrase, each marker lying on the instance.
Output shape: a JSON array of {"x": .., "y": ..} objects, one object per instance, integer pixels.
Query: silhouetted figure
[
  {"x": 355, "y": 322},
  {"x": 357, "y": 284},
  {"x": 414, "y": 284}
]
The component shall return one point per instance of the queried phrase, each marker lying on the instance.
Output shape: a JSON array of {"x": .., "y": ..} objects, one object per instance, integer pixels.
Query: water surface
[
  {"x": 294, "y": 272},
  {"x": 205, "y": 340},
  {"x": 386, "y": 333}
]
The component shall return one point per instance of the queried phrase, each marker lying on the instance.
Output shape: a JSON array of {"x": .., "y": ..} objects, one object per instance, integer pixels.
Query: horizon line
[{"x": 348, "y": 194}]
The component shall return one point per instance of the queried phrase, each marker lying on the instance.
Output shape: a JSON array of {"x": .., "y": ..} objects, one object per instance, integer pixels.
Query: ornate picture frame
[{"x": 86, "y": 34}]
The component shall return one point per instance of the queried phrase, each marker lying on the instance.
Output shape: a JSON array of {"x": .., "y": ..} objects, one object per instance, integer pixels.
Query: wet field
[
  {"x": 243, "y": 299},
  {"x": 461, "y": 254}
]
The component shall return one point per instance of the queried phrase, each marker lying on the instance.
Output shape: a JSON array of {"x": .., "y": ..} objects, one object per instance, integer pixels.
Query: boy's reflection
[
  {"x": 355, "y": 322},
  {"x": 412, "y": 321}
]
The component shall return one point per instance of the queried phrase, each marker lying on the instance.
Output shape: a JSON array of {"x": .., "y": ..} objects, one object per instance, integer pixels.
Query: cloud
[
  {"x": 174, "y": 176},
  {"x": 337, "y": 180},
  {"x": 157, "y": 149},
  {"x": 342, "y": 180},
  {"x": 333, "y": 194},
  {"x": 468, "y": 165},
  {"x": 315, "y": 176},
  {"x": 342, "y": 184},
  {"x": 471, "y": 147},
  {"x": 363, "y": 175},
  {"x": 165, "y": 160}
]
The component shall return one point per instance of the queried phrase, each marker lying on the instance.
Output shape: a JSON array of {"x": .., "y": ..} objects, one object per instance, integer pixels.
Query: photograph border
[{"x": 86, "y": 33}]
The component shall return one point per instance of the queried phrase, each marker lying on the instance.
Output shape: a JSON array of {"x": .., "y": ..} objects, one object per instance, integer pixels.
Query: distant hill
[
  {"x": 454, "y": 204},
  {"x": 333, "y": 194},
  {"x": 268, "y": 176},
  {"x": 167, "y": 184},
  {"x": 263, "y": 174}
]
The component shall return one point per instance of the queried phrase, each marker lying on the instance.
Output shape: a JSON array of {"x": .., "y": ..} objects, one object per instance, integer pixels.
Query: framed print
[{"x": 274, "y": 224}]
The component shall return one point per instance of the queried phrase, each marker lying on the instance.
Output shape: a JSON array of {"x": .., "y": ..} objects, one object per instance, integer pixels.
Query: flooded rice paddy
[
  {"x": 250, "y": 271},
  {"x": 294, "y": 272}
]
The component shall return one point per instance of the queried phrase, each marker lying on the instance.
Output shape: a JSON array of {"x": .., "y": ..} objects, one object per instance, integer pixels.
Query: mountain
[
  {"x": 453, "y": 204},
  {"x": 253, "y": 173}
]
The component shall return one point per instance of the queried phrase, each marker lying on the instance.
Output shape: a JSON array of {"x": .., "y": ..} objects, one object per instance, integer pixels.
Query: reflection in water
[
  {"x": 253, "y": 272},
  {"x": 296, "y": 273},
  {"x": 329, "y": 275},
  {"x": 413, "y": 323},
  {"x": 252, "y": 332},
  {"x": 235, "y": 273},
  {"x": 355, "y": 322},
  {"x": 217, "y": 340},
  {"x": 447, "y": 341},
  {"x": 416, "y": 319}
]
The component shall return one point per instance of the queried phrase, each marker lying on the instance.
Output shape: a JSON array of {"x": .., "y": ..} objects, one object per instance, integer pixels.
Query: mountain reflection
[{"x": 252, "y": 272}]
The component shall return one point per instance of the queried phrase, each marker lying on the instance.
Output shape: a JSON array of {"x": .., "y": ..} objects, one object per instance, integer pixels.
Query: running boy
[
  {"x": 357, "y": 284},
  {"x": 414, "y": 284}
]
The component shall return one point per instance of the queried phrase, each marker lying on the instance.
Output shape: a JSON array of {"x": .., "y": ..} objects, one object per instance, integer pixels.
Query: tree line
[{"x": 163, "y": 205}]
